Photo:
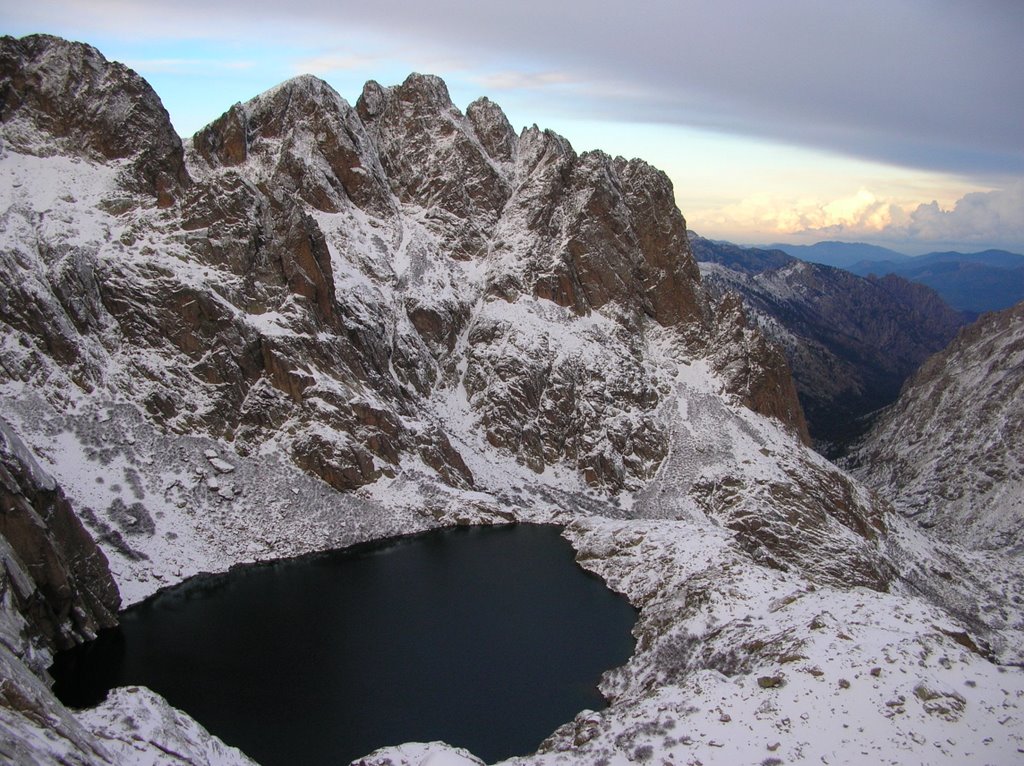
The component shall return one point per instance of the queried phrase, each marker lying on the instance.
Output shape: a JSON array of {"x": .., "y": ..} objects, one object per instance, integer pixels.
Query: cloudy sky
[{"x": 898, "y": 122}]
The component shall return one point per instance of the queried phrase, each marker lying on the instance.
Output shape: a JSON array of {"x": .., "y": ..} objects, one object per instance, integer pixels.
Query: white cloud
[
  {"x": 976, "y": 220},
  {"x": 939, "y": 89},
  {"x": 859, "y": 212},
  {"x": 981, "y": 217},
  {"x": 511, "y": 80}
]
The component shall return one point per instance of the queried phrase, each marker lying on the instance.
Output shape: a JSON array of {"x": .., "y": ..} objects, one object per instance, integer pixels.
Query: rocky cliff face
[
  {"x": 947, "y": 453},
  {"x": 56, "y": 575},
  {"x": 850, "y": 341},
  {"x": 55, "y": 591},
  {"x": 57, "y": 96}
]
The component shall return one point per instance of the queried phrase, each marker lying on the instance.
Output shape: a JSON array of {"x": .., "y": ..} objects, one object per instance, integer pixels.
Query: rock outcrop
[
  {"x": 58, "y": 96},
  {"x": 754, "y": 369},
  {"x": 55, "y": 574}
]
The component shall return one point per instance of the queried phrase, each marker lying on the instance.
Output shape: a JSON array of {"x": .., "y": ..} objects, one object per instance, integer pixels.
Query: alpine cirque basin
[{"x": 315, "y": 324}]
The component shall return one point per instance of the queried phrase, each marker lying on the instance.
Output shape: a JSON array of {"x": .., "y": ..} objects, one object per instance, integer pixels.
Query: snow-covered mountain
[
  {"x": 850, "y": 341},
  {"x": 315, "y": 324},
  {"x": 949, "y": 453}
]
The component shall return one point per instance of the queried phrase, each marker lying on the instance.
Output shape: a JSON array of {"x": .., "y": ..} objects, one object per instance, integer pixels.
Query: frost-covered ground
[
  {"x": 949, "y": 454},
  {"x": 736, "y": 662}
]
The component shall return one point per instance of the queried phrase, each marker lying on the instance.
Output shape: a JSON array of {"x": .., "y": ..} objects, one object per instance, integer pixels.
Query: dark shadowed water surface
[{"x": 486, "y": 637}]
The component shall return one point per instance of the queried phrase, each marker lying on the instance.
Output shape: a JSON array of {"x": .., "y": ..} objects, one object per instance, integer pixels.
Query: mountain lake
[{"x": 488, "y": 638}]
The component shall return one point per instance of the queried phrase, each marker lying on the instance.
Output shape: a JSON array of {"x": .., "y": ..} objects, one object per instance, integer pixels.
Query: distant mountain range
[
  {"x": 971, "y": 282},
  {"x": 850, "y": 341},
  {"x": 842, "y": 255}
]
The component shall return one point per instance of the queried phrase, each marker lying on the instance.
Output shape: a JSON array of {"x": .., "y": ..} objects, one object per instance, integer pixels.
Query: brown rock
[
  {"x": 68, "y": 593},
  {"x": 225, "y": 141},
  {"x": 602, "y": 232},
  {"x": 71, "y": 98},
  {"x": 669, "y": 276},
  {"x": 754, "y": 370},
  {"x": 341, "y": 463}
]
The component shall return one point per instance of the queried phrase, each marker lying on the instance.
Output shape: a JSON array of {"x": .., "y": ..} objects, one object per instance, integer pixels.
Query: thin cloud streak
[
  {"x": 511, "y": 80},
  {"x": 325, "y": 63},
  {"x": 922, "y": 83}
]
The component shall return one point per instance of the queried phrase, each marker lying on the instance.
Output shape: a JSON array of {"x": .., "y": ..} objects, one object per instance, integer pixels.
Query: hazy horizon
[{"x": 912, "y": 250}]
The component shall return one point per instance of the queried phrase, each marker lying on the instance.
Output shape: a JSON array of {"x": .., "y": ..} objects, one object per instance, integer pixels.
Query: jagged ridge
[{"x": 433, "y": 220}]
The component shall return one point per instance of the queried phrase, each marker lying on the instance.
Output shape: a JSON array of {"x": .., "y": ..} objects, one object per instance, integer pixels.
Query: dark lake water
[{"x": 487, "y": 638}]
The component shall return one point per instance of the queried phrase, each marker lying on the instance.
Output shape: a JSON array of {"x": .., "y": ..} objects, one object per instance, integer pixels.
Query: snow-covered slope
[
  {"x": 949, "y": 453},
  {"x": 334, "y": 323}
]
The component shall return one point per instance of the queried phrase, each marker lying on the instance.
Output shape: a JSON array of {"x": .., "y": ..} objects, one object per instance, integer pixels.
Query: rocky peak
[
  {"x": 372, "y": 101},
  {"x": 225, "y": 141},
  {"x": 540, "y": 153},
  {"x": 293, "y": 104},
  {"x": 304, "y": 138},
  {"x": 493, "y": 129},
  {"x": 601, "y": 231},
  {"x": 669, "y": 275},
  {"x": 424, "y": 94},
  {"x": 754, "y": 369},
  {"x": 60, "y": 96},
  {"x": 433, "y": 159},
  {"x": 350, "y": 326}
]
